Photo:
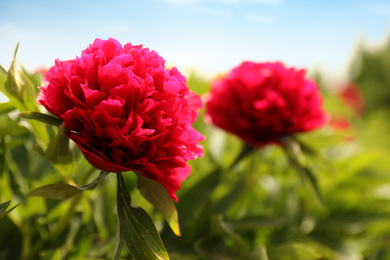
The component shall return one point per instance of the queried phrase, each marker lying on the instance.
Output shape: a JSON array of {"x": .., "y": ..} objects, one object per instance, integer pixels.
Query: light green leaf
[
  {"x": 62, "y": 191},
  {"x": 22, "y": 93},
  {"x": 12, "y": 88},
  {"x": 6, "y": 107},
  {"x": 136, "y": 228},
  {"x": 3, "y": 79},
  {"x": 156, "y": 194},
  {"x": 48, "y": 119}
]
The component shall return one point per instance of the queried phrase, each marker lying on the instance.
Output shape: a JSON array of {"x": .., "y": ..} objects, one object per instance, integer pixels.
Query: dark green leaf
[
  {"x": 233, "y": 195},
  {"x": 38, "y": 149},
  {"x": 156, "y": 194},
  {"x": 63, "y": 191},
  {"x": 137, "y": 228},
  {"x": 3, "y": 208},
  {"x": 118, "y": 243},
  {"x": 45, "y": 118},
  {"x": 195, "y": 197},
  {"x": 11, "y": 239},
  {"x": 254, "y": 222}
]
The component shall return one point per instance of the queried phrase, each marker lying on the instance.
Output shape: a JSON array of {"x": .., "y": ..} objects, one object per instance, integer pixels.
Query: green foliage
[
  {"x": 238, "y": 202},
  {"x": 136, "y": 229},
  {"x": 62, "y": 191},
  {"x": 370, "y": 71},
  {"x": 156, "y": 194}
]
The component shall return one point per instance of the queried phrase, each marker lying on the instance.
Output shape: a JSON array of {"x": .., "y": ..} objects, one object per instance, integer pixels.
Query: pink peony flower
[
  {"x": 126, "y": 111},
  {"x": 353, "y": 98},
  {"x": 263, "y": 102}
]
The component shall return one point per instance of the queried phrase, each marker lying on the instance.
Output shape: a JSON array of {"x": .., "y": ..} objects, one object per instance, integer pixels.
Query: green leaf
[
  {"x": 156, "y": 194},
  {"x": 296, "y": 158},
  {"x": 315, "y": 154},
  {"x": 195, "y": 197},
  {"x": 4, "y": 206},
  {"x": 294, "y": 250},
  {"x": 214, "y": 245},
  {"x": 136, "y": 228},
  {"x": 233, "y": 196},
  {"x": 58, "y": 152},
  {"x": 38, "y": 149},
  {"x": 13, "y": 129},
  {"x": 12, "y": 88},
  {"x": 254, "y": 222},
  {"x": 45, "y": 118},
  {"x": 293, "y": 147},
  {"x": 2, "y": 156},
  {"x": 22, "y": 93},
  {"x": 245, "y": 151},
  {"x": 3, "y": 79},
  {"x": 6, "y": 107},
  {"x": 62, "y": 191}
]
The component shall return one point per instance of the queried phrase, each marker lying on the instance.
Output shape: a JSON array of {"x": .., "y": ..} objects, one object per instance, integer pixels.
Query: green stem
[{"x": 245, "y": 151}]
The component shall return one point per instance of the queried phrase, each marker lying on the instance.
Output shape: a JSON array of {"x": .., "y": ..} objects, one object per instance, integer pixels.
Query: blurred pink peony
[
  {"x": 126, "y": 111},
  {"x": 353, "y": 98},
  {"x": 263, "y": 102}
]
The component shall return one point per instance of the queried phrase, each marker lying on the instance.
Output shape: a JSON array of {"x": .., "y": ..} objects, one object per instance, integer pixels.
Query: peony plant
[
  {"x": 268, "y": 103},
  {"x": 126, "y": 112}
]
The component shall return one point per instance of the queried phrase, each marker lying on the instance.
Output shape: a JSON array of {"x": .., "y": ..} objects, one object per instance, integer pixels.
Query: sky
[{"x": 207, "y": 36}]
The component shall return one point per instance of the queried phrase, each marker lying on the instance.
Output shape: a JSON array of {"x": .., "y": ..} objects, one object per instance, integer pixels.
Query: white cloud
[{"x": 260, "y": 18}]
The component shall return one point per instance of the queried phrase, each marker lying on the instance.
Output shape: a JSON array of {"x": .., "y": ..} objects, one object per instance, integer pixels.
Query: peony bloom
[
  {"x": 263, "y": 102},
  {"x": 353, "y": 98},
  {"x": 126, "y": 111}
]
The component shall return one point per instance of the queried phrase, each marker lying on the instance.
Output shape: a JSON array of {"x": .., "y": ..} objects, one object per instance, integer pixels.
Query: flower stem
[{"x": 245, "y": 151}]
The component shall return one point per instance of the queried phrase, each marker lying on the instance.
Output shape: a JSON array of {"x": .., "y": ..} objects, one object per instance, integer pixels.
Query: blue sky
[{"x": 210, "y": 36}]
